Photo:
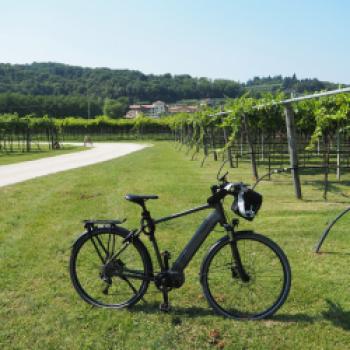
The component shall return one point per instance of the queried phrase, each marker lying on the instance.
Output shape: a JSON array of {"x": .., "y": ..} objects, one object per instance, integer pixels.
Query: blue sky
[{"x": 234, "y": 39}]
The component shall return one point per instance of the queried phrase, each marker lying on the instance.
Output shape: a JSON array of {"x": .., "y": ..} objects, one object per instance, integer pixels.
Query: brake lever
[
  {"x": 221, "y": 167},
  {"x": 223, "y": 177}
]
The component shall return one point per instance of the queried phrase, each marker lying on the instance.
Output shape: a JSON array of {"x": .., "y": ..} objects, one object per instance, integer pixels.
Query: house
[
  {"x": 172, "y": 109},
  {"x": 211, "y": 102},
  {"x": 154, "y": 110},
  {"x": 132, "y": 113},
  {"x": 158, "y": 108}
]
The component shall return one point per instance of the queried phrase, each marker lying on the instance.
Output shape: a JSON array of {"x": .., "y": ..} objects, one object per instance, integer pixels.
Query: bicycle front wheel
[
  {"x": 257, "y": 292},
  {"x": 104, "y": 273}
]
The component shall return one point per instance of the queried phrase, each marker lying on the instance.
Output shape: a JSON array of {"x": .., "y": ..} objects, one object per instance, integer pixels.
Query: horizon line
[{"x": 172, "y": 74}]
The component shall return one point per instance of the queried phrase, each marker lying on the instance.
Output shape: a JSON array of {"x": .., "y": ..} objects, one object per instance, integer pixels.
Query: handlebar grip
[
  {"x": 234, "y": 188},
  {"x": 215, "y": 198}
]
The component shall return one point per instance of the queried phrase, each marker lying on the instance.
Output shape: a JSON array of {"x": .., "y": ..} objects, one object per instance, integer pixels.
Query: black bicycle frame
[{"x": 185, "y": 256}]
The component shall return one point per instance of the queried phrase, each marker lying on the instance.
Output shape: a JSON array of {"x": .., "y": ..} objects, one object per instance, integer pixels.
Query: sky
[{"x": 231, "y": 39}]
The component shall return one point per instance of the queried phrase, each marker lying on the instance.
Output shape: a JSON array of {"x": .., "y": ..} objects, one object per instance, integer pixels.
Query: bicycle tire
[
  {"x": 222, "y": 297},
  {"x": 99, "y": 298}
]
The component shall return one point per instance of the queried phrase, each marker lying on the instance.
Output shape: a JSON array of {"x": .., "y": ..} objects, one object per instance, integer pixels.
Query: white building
[{"x": 154, "y": 110}]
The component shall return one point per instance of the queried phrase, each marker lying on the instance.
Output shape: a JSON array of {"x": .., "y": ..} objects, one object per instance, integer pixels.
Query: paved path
[{"x": 13, "y": 173}]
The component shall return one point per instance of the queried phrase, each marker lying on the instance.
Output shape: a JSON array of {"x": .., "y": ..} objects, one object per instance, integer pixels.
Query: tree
[{"x": 115, "y": 108}]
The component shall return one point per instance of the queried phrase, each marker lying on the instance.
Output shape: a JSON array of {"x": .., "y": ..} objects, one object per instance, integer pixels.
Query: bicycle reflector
[{"x": 247, "y": 203}]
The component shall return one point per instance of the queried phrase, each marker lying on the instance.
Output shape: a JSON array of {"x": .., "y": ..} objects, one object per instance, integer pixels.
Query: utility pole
[{"x": 88, "y": 108}]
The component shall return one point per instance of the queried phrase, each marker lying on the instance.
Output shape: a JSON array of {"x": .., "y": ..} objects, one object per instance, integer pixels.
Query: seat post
[
  {"x": 146, "y": 217},
  {"x": 145, "y": 213}
]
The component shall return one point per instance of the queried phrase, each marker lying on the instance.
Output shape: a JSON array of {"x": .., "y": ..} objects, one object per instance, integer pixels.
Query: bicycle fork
[{"x": 237, "y": 266}]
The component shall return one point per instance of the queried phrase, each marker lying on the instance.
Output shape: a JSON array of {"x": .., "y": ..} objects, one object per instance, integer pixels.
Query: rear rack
[{"x": 91, "y": 223}]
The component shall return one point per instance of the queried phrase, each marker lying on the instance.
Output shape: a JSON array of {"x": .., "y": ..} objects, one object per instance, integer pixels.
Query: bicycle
[{"x": 244, "y": 275}]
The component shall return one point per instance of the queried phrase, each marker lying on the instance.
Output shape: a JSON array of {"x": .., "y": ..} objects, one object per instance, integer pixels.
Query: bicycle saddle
[{"x": 140, "y": 198}]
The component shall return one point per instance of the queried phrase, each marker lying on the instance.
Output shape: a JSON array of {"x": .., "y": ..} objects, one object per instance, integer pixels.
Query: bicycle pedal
[{"x": 164, "y": 307}]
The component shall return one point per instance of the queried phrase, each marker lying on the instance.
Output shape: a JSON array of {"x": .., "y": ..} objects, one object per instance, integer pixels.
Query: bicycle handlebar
[
  {"x": 221, "y": 191},
  {"x": 233, "y": 188}
]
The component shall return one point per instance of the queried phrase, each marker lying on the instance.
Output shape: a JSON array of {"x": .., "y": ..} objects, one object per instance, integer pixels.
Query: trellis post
[
  {"x": 251, "y": 148},
  {"x": 229, "y": 154},
  {"x": 205, "y": 146},
  {"x": 292, "y": 148},
  {"x": 212, "y": 141},
  {"x": 338, "y": 155}
]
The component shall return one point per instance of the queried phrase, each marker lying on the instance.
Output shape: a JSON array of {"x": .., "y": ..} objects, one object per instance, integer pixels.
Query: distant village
[{"x": 160, "y": 108}]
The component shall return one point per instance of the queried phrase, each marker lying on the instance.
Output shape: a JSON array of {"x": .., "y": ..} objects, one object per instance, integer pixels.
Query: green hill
[{"x": 62, "y": 90}]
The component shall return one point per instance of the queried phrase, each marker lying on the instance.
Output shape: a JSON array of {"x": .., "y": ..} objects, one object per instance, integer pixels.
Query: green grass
[
  {"x": 15, "y": 156},
  {"x": 40, "y": 219}
]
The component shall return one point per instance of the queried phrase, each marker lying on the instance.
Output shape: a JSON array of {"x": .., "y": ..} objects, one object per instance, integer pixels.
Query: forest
[{"x": 60, "y": 90}]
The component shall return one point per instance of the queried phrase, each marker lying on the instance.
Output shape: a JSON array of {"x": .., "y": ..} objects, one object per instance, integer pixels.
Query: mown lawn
[
  {"x": 17, "y": 155},
  {"x": 40, "y": 219}
]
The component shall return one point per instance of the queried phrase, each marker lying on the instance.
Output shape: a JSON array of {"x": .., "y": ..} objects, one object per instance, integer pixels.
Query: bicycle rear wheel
[
  {"x": 256, "y": 296},
  {"x": 102, "y": 279}
]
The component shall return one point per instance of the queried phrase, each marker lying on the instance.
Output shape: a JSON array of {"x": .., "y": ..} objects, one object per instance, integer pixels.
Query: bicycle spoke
[
  {"x": 97, "y": 250},
  {"x": 98, "y": 277},
  {"x": 129, "y": 284},
  {"x": 103, "y": 247},
  {"x": 113, "y": 244},
  {"x": 108, "y": 243},
  {"x": 250, "y": 296},
  {"x": 121, "y": 250}
]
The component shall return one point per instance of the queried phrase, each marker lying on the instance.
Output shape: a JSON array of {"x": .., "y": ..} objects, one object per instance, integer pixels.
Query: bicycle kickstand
[{"x": 165, "y": 306}]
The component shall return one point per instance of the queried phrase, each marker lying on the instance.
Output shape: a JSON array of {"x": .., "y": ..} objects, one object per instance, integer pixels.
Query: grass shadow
[
  {"x": 303, "y": 318},
  {"x": 321, "y": 200},
  {"x": 191, "y": 312},
  {"x": 332, "y": 186},
  {"x": 337, "y": 315}
]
